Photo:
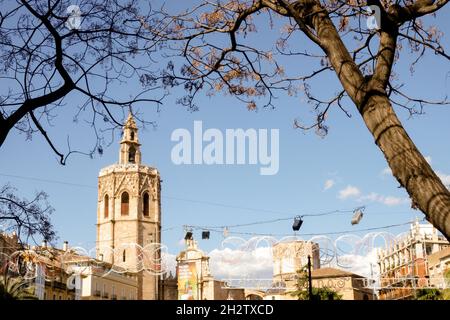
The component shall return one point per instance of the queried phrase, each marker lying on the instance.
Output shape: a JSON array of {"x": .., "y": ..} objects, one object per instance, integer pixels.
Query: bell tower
[
  {"x": 129, "y": 146},
  {"x": 129, "y": 214}
]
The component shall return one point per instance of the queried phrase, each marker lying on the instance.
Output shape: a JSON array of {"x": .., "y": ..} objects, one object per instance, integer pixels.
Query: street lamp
[{"x": 297, "y": 223}]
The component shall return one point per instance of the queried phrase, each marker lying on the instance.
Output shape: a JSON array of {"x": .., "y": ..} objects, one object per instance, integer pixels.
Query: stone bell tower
[{"x": 129, "y": 214}]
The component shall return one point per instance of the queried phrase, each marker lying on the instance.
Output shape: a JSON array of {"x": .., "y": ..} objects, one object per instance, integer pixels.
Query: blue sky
[{"x": 347, "y": 156}]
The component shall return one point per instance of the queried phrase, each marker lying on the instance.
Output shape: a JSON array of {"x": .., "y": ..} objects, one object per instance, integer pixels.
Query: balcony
[{"x": 56, "y": 285}]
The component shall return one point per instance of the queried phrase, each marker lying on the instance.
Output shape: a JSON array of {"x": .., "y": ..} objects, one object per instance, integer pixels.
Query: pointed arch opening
[
  {"x": 106, "y": 206},
  {"x": 124, "y": 256},
  {"x": 132, "y": 135},
  {"x": 132, "y": 155},
  {"x": 125, "y": 204},
  {"x": 146, "y": 204}
]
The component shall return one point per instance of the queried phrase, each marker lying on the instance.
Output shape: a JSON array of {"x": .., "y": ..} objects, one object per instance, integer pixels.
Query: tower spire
[{"x": 130, "y": 152}]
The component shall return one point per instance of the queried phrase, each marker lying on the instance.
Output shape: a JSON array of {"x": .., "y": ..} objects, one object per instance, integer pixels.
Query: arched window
[
  {"x": 106, "y": 206},
  {"x": 125, "y": 201},
  {"x": 124, "y": 256},
  {"x": 132, "y": 155},
  {"x": 132, "y": 135},
  {"x": 146, "y": 204}
]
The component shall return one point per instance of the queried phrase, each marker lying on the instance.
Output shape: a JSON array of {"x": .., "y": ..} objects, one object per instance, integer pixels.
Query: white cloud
[
  {"x": 373, "y": 197},
  {"x": 393, "y": 201},
  {"x": 358, "y": 264},
  {"x": 169, "y": 262},
  {"x": 349, "y": 192},
  {"x": 386, "y": 172},
  {"x": 386, "y": 200},
  {"x": 328, "y": 184},
  {"x": 240, "y": 264},
  {"x": 445, "y": 178}
]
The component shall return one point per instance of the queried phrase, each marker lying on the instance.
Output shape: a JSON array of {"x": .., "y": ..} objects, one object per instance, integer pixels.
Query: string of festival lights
[
  {"x": 225, "y": 229},
  {"x": 305, "y": 234}
]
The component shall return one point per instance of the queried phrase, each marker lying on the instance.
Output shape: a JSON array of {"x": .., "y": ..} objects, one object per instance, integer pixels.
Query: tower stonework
[{"x": 129, "y": 214}]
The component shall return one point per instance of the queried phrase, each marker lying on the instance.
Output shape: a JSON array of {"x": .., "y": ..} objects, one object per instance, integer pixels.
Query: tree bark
[{"x": 408, "y": 166}]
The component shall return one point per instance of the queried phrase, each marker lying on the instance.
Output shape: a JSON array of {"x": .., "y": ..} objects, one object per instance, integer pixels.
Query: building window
[
  {"x": 125, "y": 200},
  {"x": 54, "y": 296},
  {"x": 132, "y": 135},
  {"x": 124, "y": 256},
  {"x": 132, "y": 155},
  {"x": 146, "y": 205},
  {"x": 106, "y": 206}
]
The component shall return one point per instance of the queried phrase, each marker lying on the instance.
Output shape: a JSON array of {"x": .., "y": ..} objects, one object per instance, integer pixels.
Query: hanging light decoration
[
  {"x": 205, "y": 234},
  {"x": 358, "y": 215},
  {"x": 189, "y": 234},
  {"x": 297, "y": 223}
]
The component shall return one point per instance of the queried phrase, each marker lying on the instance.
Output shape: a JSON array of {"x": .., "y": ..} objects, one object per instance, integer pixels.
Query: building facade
[
  {"x": 404, "y": 263},
  {"x": 348, "y": 285},
  {"x": 194, "y": 279},
  {"x": 129, "y": 215},
  {"x": 9, "y": 244},
  {"x": 102, "y": 281},
  {"x": 439, "y": 269},
  {"x": 290, "y": 257}
]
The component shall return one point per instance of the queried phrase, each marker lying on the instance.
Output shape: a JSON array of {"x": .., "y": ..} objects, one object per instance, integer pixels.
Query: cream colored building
[
  {"x": 98, "y": 280},
  {"x": 404, "y": 263},
  {"x": 348, "y": 285},
  {"x": 195, "y": 281},
  {"x": 129, "y": 215},
  {"x": 9, "y": 243},
  {"x": 290, "y": 257},
  {"x": 438, "y": 267},
  {"x": 64, "y": 274}
]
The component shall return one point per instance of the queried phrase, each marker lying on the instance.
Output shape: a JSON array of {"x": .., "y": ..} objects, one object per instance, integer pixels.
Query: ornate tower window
[
  {"x": 106, "y": 206},
  {"x": 129, "y": 145},
  {"x": 146, "y": 204},
  {"x": 132, "y": 155},
  {"x": 124, "y": 256},
  {"x": 124, "y": 201}
]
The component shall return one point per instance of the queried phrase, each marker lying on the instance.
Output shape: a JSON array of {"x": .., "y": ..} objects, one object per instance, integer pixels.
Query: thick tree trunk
[{"x": 408, "y": 166}]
